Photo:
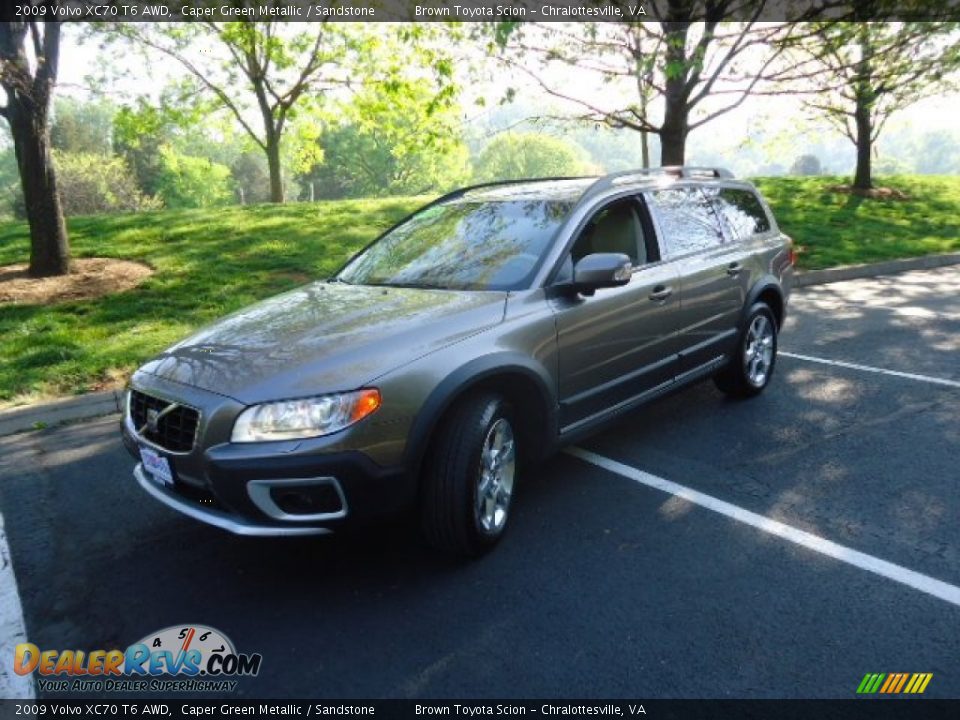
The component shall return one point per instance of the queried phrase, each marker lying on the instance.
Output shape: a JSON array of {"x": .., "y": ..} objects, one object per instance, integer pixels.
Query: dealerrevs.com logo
[{"x": 189, "y": 658}]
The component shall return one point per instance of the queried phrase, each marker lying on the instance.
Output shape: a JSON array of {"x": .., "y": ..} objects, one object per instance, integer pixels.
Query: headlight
[{"x": 310, "y": 417}]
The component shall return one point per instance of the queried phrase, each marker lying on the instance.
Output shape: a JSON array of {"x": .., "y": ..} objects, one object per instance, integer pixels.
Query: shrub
[{"x": 92, "y": 184}]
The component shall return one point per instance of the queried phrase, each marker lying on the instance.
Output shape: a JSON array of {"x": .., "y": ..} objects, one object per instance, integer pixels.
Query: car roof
[{"x": 578, "y": 189}]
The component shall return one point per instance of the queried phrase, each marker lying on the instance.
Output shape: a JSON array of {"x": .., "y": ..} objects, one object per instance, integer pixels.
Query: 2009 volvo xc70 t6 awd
[{"x": 463, "y": 345}]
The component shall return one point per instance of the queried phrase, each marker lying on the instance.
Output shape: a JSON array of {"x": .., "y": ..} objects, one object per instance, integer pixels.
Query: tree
[
  {"x": 192, "y": 182},
  {"x": 513, "y": 156},
  {"x": 282, "y": 68},
  {"x": 806, "y": 165},
  {"x": 870, "y": 70},
  {"x": 251, "y": 178},
  {"x": 138, "y": 134},
  {"x": 29, "y": 56},
  {"x": 400, "y": 138},
  {"x": 277, "y": 67},
  {"x": 685, "y": 65},
  {"x": 141, "y": 131},
  {"x": 82, "y": 127},
  {"x": 936, "y": 152}
]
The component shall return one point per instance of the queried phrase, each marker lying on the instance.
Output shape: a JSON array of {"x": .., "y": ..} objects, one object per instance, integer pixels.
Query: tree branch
[
  {"x": 213, "y": 87},
  {"x": 613, "y": 118}
]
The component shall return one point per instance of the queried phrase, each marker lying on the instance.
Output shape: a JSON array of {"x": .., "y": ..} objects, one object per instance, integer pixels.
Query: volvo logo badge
[{"x": 154, "y": 416}]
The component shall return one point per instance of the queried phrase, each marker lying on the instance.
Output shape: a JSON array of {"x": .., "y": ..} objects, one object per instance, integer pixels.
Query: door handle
[
  {"x": 734, "y": 268},
  {"x": 661, "y": 292}
]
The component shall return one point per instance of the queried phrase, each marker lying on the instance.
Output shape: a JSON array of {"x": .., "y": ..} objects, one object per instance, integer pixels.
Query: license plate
[{"x": 157, "y": 466}]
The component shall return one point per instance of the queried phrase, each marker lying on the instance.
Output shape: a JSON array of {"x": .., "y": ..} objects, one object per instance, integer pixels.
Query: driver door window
[{"x": 615, "y": 229}]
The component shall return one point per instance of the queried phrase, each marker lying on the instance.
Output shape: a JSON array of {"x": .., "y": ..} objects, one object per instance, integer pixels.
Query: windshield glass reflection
[{"x": 463, "y": 245}]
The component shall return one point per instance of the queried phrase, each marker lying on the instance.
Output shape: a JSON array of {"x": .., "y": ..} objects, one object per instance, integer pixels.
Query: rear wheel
[
  {"x": 751, "y": 367},
  {"x": 469, "y": 477}
]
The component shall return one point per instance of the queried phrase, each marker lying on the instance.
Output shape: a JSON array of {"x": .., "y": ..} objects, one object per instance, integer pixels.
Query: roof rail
[
  {"x": 459, "y": 192},
  {"x": 625, "y": 176}
]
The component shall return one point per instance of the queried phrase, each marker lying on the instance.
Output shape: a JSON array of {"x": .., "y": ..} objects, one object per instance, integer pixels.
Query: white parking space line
[
  {"x": 869, "y": 368},
  {"x": 12, "y": 632},
  {"x": 918, "y": 581}
]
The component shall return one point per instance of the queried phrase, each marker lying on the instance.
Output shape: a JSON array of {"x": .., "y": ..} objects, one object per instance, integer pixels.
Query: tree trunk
[
  {"x": 645, "y": 148},
  {"x": 673, "y": 132},
  {"x": 273, "y": 130},
  {"x": 49, "y": 244},
  {"x": 673, "y": 141},
  {"x": 276, "y": 173},
  {"x": 863, "y": 178},
  {"x": 27, "y": 114},
  {"x": 864, "y": 93}
]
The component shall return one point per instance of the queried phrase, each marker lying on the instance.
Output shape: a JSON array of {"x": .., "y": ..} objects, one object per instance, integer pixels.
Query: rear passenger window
[
  {"x": 743, "y": 212},
  {"x": 687, "y": 220}
]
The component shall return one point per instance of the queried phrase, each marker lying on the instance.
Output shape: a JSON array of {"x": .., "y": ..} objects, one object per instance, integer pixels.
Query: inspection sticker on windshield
[{"x": 156, "y": 465}]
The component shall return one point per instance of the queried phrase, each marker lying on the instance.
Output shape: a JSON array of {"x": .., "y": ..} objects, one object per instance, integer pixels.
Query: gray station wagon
[{"x": 458, "y": 349}]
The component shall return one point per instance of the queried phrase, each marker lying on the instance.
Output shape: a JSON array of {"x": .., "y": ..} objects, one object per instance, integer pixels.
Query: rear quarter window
[{"x": 742, "y": 211}]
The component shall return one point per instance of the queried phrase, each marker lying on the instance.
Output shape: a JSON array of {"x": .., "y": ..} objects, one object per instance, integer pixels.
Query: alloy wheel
[
  {"x": 758, "y": 353},
  {"x": 495, "y": 477}
]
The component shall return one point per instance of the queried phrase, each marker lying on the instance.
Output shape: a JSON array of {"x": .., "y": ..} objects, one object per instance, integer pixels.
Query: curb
[
  {"x": 36, "y": 417},
  {"x": 12, "y": 629},
  {"x": 889, "y": 267}
]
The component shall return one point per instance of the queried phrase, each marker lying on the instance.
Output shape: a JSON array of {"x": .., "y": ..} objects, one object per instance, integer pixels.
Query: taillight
[{"x": 791, "y": 251}]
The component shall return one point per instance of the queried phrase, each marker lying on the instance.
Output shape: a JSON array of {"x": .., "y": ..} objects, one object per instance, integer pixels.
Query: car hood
[{"x": 324, "y": 337}]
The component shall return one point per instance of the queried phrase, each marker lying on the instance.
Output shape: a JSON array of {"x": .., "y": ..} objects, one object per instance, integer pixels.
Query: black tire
[
  {"x": 737, "y": 378},
  {"x": 450, "y": 516}
]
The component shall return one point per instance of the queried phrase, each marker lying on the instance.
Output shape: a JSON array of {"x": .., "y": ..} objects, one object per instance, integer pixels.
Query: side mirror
[{"x": 601, "y": 270}]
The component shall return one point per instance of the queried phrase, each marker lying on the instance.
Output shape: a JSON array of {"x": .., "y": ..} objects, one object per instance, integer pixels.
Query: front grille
[{"x": 175, "y": 430}]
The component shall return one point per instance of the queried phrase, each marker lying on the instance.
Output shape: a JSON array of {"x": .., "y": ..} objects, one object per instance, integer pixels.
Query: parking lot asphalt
[{"x": 604, "y": 587}]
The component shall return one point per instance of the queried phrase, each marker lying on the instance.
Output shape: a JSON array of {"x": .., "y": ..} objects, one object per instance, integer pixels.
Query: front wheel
[
  {"x": 469, "y": 477},
  {"x": 751, "y": 367}
]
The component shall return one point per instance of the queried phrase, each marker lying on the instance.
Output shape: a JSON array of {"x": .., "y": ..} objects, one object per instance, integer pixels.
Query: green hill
[{"x": 210, "y": 262}]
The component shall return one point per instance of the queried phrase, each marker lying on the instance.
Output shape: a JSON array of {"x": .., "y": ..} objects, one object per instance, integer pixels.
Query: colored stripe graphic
[
  {"x": 871, "y": 683},
  {"x": 892, "y": 679},
  {"x": 903, "y": 681},
  {"x": 894, "y": 683}
]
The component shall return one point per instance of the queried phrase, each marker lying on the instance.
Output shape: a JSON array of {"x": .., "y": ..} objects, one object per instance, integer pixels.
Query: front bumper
[
  {"x": 222, "y": 520},
  {"x": 247, "y": 489}
]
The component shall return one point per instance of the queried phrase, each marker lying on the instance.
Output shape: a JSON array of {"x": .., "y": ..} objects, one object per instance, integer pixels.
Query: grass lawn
[
  {"x": 840, "y": 229},
  {"x": 210, "y": 262},
  {"x": 207, "y": 263}
]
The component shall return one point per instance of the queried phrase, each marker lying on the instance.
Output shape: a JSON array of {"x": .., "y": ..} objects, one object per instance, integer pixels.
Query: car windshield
[{"x": 463, "y": 245}]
